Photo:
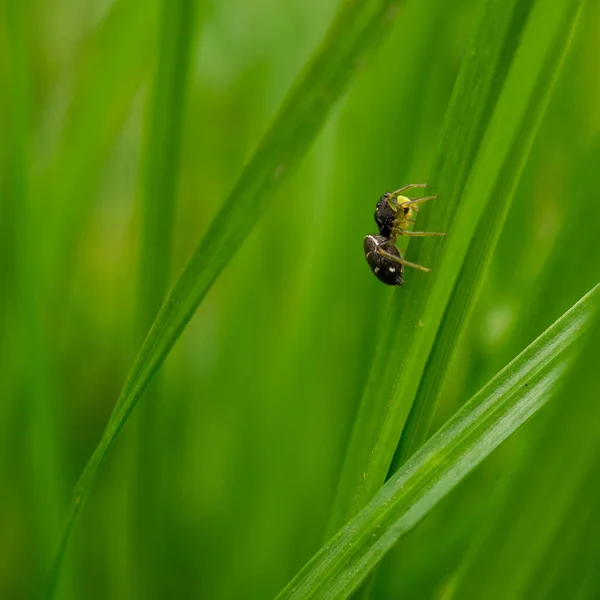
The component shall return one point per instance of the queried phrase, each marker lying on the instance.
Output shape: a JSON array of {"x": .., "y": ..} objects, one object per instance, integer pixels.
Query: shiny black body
[
  {"x": 384, "y": 216},
  {"x": 384, "y": 268}
]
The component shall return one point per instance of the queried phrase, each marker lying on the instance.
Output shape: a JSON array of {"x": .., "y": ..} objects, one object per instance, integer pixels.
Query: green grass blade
[
  {"x": 111, "y": 69},
  {"x": 355, "y": 30},
  {"x": 577, "y": 233},
  {"x": 45, "y": 479},
  {"x": 557, "y": 38},
  {"x": 162, "y": 155},
  {"x": 480, "y": 426},
  {"x": 547, "y": 507},
  {"x": 416, "y": 311},
  {"x": 159, "y": 198}
]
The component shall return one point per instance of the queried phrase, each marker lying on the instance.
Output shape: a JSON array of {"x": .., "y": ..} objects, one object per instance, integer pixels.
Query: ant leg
[
  {"x": 412, "y": 202},
  {"x": 401, "y": 260},
  {"x": 410, "y": 186},
  {"x": 392, "y": 202},
  {"x": 407, "y": 202},
  {"x": 419, "y": 233}
]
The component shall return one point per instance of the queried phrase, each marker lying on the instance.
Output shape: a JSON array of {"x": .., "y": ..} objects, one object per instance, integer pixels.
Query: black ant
[{"x": 393, "y": 217}]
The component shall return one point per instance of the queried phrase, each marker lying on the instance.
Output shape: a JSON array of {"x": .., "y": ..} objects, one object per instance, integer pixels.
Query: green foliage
[
  {"x": 389, "y": 392},
  {"x": 485, "y": 421},
  {"x": 563, "y": 446},
  {"x": 354, "y": 31},
  {"x": 135, "y": 133},
  {"x": 495, "y": 179}
]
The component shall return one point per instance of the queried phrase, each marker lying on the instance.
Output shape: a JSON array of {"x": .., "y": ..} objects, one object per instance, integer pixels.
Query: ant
[{"x": 393, "y": 216}]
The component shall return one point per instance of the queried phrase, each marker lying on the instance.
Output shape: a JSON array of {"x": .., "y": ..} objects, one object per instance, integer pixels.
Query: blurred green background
[{"x": 222, "y": 482}]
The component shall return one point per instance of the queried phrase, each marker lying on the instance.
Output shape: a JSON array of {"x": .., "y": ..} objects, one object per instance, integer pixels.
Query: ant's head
[
  {"x": 385, "y": 215},
  {"x": 393, "y": 211}
]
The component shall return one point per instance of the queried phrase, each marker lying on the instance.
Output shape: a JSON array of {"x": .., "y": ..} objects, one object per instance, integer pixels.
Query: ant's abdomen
[{"x": 384, "y": 268}]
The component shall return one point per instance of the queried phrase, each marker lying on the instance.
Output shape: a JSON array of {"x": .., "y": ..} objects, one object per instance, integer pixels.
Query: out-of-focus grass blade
[
  {"x": 162, "y": 155},
  {"x": 113, "y": 66},
  {"x": 159, "y": 196},
  {"x": 480, "y": 426},
  {"x": 551, "y": 51},
  {"x": 355, "y": 30},
  {"x": 416, "y": 311},
  {"x": 577, "y": 241},
  {"x": 46, "y": 480},
  {"x": 548, "y": 502}
]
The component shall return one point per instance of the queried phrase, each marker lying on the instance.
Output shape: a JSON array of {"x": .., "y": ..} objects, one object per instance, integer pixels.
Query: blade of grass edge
[
  {"x": 522, "y": 544},
  {"x": 382, "y": 412},
  {"x": 355, "y": 30},
  {"x": 480, "y": 426},
  {"x": 482, "y": 247}
]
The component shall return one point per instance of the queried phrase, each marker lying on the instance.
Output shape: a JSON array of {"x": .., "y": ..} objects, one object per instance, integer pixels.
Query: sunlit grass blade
[
  {"x": 557, "y": 39},
  {"x": 415, "y": 312},
  {"x": 355, "y": 30},
  {"x": 550, "y": 501},
  {"x": 480, "y": 426}
]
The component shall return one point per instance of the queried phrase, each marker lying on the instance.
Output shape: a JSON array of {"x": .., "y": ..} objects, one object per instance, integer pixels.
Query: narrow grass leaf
[
  {"x": 44, "y": 452},
  {"x": 159, "y": 198},
  {"x": 480, "y": 426},
  {"x": 549, "y": 50},
  {"x": 163, "y": 148},
  {"x": 356, "y": 29},
  {"x": 579, "y": 234},
  {"x": 540, "y": 518},
  {"x": 416, "y": 311},
  {"x": 113, "y": 64}
]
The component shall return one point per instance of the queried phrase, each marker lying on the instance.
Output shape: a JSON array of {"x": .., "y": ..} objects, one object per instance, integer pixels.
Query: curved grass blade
[
  {"x": 414, "y": 315},
  {"x": 355, "y": 31},
  {"x": 525, "y": 542},
  {"x": 481, "y": 425},
  {"x": 559, "y": 34}
]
